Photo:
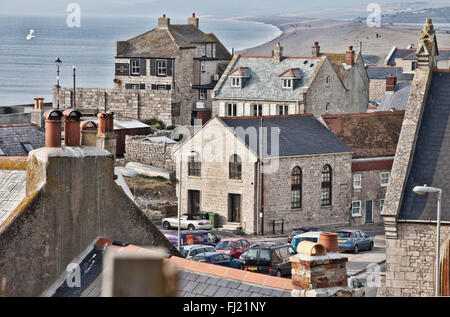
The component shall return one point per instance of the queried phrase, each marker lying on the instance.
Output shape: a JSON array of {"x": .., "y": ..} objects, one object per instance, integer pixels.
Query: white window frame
[
  {"x": 231, "y": 109},
  {"x": 203, "y": 94},
  {"x": 286, "y": 83},
  {"x": 353, "y": 208},
  {"x": 258, "y": 108},
  {"x": 383, "y": 178},
  {"x": 236, "y": 82},
  {"x": 355, "y": 181},
  {"x": 284, "y": 109},
  {"x": 135, "y": 67},
  {"x": 381, "y": 205},
  {"x": 161, "y": 67}
]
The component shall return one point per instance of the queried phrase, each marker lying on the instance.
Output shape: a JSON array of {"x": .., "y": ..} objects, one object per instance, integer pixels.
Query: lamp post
[
  {"x": 58, "y": 63},
  {"x": 74, "y": 92},
  {"x": 420, "y": 190},
  {"x": 180, "y": 177}
]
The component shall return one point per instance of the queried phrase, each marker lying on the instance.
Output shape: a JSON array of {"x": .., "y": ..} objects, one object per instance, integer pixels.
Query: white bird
[{"x": 30, "y": 36}]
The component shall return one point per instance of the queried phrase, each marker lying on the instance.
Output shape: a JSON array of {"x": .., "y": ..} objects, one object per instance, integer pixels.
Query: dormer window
[
  {"x": 286, "y": 83},
  {"x": 236, "y": 82},
  {"x": 237, "y": 77}
]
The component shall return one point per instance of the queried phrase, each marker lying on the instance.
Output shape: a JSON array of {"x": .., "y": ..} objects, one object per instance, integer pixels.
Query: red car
[{"x": 233, "y": 247}]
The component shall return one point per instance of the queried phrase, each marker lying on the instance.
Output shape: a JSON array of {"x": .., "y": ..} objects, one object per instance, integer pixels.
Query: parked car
[
  {"x": 193, "y": 237},
  {"x": 219, "y": 259},
  {"x": 269, "y": 259},
  {"x": 300, "y": 231},
  {"x": 307, "y": 236},
  {"x": 355, "y": 284},
  {"x": 354, "y": 240},
  {"x": 191, "y": 250},
  {"x": 187, "y": 221},
  {"x": 233, "y": 247},
  {"x": 257, "y": 243}
]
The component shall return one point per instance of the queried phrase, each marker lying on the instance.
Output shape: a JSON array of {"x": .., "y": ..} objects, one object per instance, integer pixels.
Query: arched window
[
  {"x": 194, "y": 164},
  {"x": 296, "y": 188},
  {"x": 326, "y": 186},
  {"x": 235, "y": 167}
]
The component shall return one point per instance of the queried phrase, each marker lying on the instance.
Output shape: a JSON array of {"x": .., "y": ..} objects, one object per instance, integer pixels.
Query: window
[
  {"x": 203, "y": 94},
  {"x": 327, "y": 106},
  {"x": 235, "y": 82},
  {"x": 326, "y": 186},
  {"x": 356, "y": 208},
  {"x": 384, "y": 179},
  {"x": 265, "y": 255},
  {"x": 27, "y": 146},
  {"x": 286, "y": 83},
  {"x": 231, "y": 109},
  {"x": 235, "y": 167},
  {"x": 381, "y": 205},
  {"x": 194, "y": 165},
  {"x": 357, "y": 181},
  {"x": 257, "y": 110},
  {"x": 135, "y": 67},
  {"x": 161, "y": 67},
  {"x": 2, "y": 153},
  {"x": 296, "y": 188},
  {"x": 202, "y": 67},
  {"x": 135, "y": 86},
  {"x": 282, "y": 109},
  {"x": 327, "y": 81}
]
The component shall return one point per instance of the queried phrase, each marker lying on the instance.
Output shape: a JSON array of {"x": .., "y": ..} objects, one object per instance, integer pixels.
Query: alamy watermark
[
  {"x": 74, "y": 17},
  {"x": 374, "y": 18}
]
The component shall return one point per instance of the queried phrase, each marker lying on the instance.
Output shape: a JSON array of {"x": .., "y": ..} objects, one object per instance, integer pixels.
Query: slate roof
[
  {"x": 368, "y": 134},
  {"x": 381, "y": 72},
  {"x": 13, "y": 135},
  {"x": 161, "y": 42},
  {"x": 298, "y": 135},
  {"x": 398, "y": 100},
  {"x": 12, "y": 191},
  {"x": 264, "y": 82},
  {"x": 410, "y": 54},
  {"x": 431, "y": 164}
]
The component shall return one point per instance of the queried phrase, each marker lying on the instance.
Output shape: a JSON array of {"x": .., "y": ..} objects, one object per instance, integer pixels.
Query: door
[
  {"x": 194, "y": 202},
  {"x": 369, "y": 211},
  {"x": 235, "y": 208}
]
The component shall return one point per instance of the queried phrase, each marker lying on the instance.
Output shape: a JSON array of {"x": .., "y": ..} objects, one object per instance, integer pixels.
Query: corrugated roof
[{"x": 431, "y": 164}]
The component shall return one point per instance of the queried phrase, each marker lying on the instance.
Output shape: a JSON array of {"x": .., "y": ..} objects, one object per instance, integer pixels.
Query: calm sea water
[{"x": 27, "y": 68}]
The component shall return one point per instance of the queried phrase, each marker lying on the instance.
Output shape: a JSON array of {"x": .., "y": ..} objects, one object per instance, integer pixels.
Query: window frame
[
  {"x": 235, "y": 167},
  {"x": 133, "y": 68},
  {"x": 326, "y": 186},
  {"x": 388, "y": 179},
  {"x": 282, "y": 110},
  {"x": 296, "y": 187},
  {"x": 231, "y": 109},
  {"x": 257, "y": 109},
  {"x": 159, "y": 67},
  {"x": 287, "y": 83},
  {"x": 236, "y": 82},
  {"x": 203, "y": 94},
  {"x": 353, "y": 208},
  {"x": 194, "y": 165},
  {"x": 381, "y": 205},
  {"x": 360, "y": 181}
]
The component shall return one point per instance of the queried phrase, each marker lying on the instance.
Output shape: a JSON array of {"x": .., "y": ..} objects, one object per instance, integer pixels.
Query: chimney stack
[
  {"x": 391, "y": 81},
  {"x": 72, "y": 127},
  {"x": 316, "y": 49},
  {"x": 106, "y": 138},
  {"x": 53, "y": 128},
  {"x": 38, "y": 103},
  {"x": 278, "y": 52},
  {"x": 193, "y": 20},
  {"x": 88, "y": 133},
  {"x": 163, "y": 22},
  {"x": 350, "y": 56}
]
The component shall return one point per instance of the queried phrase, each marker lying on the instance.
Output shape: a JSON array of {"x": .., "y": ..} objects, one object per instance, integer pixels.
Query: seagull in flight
[{"x": 30, "y": 36}]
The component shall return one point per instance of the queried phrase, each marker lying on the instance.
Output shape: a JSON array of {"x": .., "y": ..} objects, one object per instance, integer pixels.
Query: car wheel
[
  {"x": 191, "y": 227},
  {"x": 278, "y": 273},
  {"x": 371, "y": 246},
  {"x": 356, "y": 249},
  {"x": 166, "y": 225}
]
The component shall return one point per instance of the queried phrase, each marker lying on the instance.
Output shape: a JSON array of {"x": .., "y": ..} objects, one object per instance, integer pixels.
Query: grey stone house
[
  {"x": 166, "y": 73},
  {"x": 422, "y": 158},
  {"x": 280, "y": 85},
  {"x": 302, "y": 177}
]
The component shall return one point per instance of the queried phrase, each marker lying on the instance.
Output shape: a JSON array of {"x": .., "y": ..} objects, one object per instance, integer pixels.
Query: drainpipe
[{"x": 261, "y": 179}]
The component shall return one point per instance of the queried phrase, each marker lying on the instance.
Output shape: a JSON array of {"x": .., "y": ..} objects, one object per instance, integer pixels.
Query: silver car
[
  {"x": 191, "y": 250},
  {"x": 188, "y": 221}
]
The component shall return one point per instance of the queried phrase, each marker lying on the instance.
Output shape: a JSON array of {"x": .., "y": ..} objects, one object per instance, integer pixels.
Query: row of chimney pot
[
  {"x": 73, "y": 126},
  {"x": 349, "y": 55}
]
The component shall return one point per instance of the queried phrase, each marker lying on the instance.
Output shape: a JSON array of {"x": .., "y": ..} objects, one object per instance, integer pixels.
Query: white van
[{"x": 313, "y": 236}]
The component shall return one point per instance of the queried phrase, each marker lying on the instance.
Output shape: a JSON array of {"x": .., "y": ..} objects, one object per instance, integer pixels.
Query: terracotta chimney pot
[
  {"x": 102, "y": 122},
  {"x": 350, "y": 56},
  {"x": 53, "y": 128},
  {"x": 329, "y": 241},
  {"x": 72, "y": 127}
]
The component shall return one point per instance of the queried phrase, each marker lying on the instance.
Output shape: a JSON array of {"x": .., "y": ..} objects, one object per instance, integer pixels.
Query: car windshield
[
  {"x": 205, "y": 259},
  {"x": 252, "y": 254},
  {"x": 225, "y": 245},
  {"x": 345, "y": 234}
]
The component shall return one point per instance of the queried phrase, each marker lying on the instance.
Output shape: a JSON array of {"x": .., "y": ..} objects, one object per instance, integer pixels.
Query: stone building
[
  {"x": 406, "y": 58},
  {"x": 302, "y": 176},
  {"x": 373, "y": 138},
  {"x": 279, "y": 85},
  {"x": 421, "y": 158},
  {"x": 166, "y": 73},
  {"x": 378, "y": 80}
]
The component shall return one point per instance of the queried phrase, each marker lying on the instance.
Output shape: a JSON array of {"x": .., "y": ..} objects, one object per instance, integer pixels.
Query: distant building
[
  {"x": 406, "y": 58},
  {"x": 378, "y": 75},
  {"x": 280, "y": 85}
]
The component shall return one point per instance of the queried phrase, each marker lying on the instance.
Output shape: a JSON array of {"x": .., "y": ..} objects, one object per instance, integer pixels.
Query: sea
[{"x": 28, "y": 70}]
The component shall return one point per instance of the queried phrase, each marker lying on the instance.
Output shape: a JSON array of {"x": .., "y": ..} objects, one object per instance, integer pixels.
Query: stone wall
[
  {"x": 377, "y": 89},
  {"x": 157, "y": 154},
  {"x": 410, "y": 259},
  {"x": 14, "y": 118}
]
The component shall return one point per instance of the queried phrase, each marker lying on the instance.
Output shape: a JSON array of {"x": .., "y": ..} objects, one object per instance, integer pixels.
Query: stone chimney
[
  {"x": 88, "y": 131},
  {"x": 72, "y": 127},
  {"x": 163, "y": 22},
  {"x": 193, "y": 20},
  {"x": 316, "y": 49},
  {"x": 53, "y": 128},
  {"x": 427, "y": 49},
  {"x": 391, "y": 81},
  {"x": 106, "y": 138},
  {"x": 350, "y": 56},
  {"x": 278, "y": 52},
  {"x": 36, "y": 116}
]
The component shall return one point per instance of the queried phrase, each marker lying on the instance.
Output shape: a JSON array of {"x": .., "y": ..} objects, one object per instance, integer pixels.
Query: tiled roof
[
  {"x": 381, "y": 72},
  {"x": 264, "y": 82},
  {"x": 431, "y": 164},
  {"x": 12, "y": 191},
  {"x": 13, "y": 136},
  {"x": 298, "y": 135},
  {"x": 368, "y": 134},
  {"x": 397, "y": 100}
]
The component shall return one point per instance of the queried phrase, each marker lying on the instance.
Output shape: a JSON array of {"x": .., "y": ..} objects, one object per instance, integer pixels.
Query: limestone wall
[{"x": 157, "y": 154}]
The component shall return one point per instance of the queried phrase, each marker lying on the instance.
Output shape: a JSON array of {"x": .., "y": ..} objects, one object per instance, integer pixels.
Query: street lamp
[
  {"x": 58, "y": 63},
  {"x": 74, "y": 92},
  {"x": 421, "y": 190}
]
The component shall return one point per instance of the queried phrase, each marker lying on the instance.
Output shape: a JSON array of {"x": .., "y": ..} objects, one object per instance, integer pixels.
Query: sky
[{"x": 180, "y": 7}]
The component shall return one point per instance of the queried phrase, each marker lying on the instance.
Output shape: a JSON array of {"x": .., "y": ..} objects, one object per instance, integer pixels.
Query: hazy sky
[{"x": 181, "y": 7}]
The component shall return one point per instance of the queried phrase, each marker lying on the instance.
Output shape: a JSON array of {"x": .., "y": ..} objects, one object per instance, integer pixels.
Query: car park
[
  {"x": 354, "y": 240},
  {"x": 194, "y": 237},
  {"x": 187, "y": 221},
  {"x": 219, "y": 259},
  {"x": 233, "y": 247},
  {"x": 269, "y": 259},
  {"x": 300, "y": 231},
  {"x": 191, "y": 250}
]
